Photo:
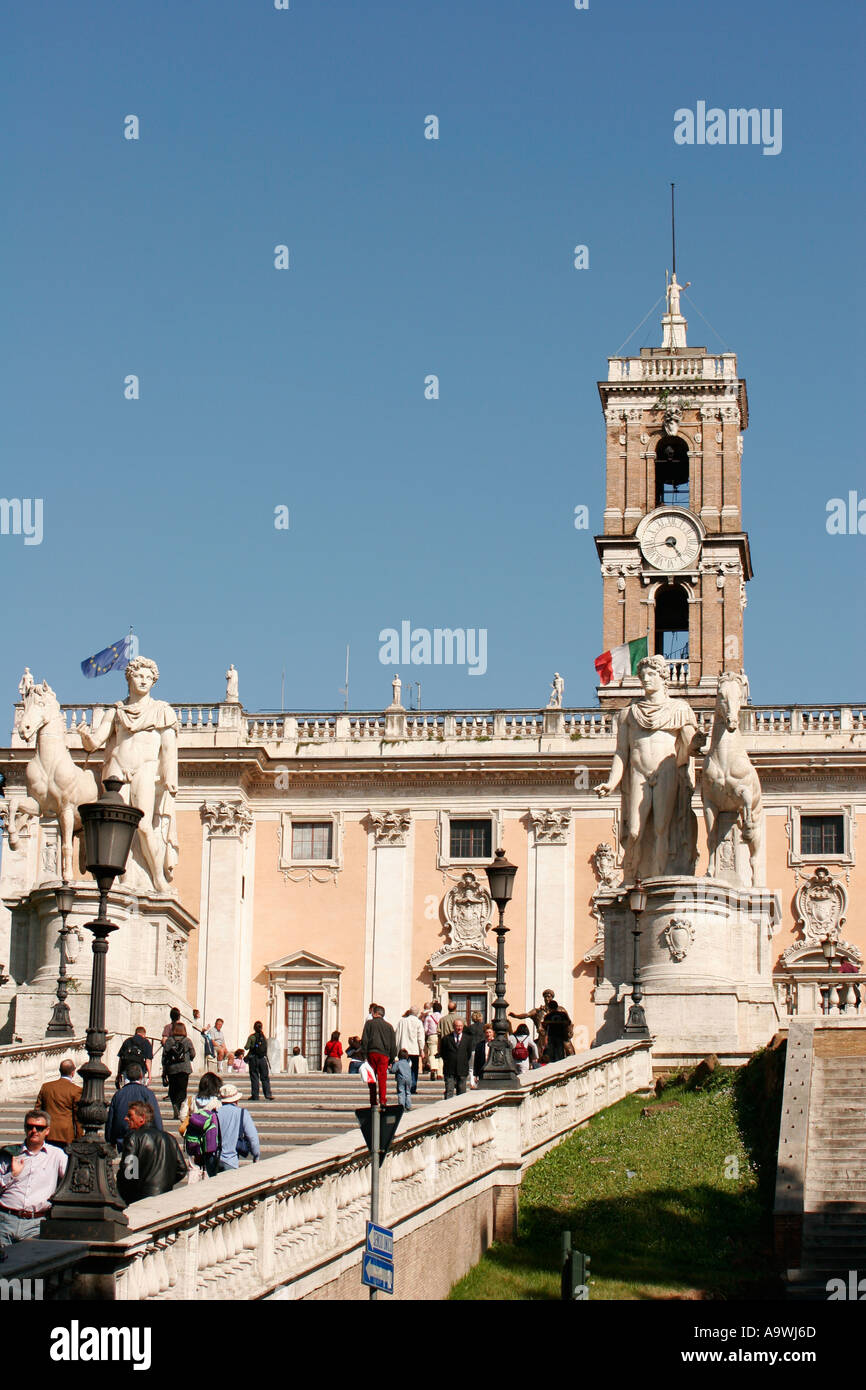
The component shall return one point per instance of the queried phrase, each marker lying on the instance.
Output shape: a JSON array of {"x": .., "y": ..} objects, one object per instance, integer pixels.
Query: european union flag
[{"x": 113, "y": 658}]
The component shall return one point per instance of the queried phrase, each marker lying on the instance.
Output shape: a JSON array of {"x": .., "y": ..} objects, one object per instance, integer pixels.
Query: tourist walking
[
  {"x": 178, "y": 1055},
  {"x": 402, "y": 1069},
  {"x": 333, "y": 1054},
  {"x": 199, "y": 1125},
  {"x": 238, "y": 1135},
  {"x": 131, "y": 1091},
  {"x": 410, "y": 1035},
  {"x": 456, "y": 1053},
  {"x": 447, "y": 1020},
  {"x": 151, "y": 1162},
  {"x": 173, "y": 1018},
  {"x": 139, "y": 1049},
  {"x": 482, "y": 1052},
  {"x": 257, "y": 1060},
  {"x": 524, "y": 1051},
  {"x": 28, "y": 1180},
  {"x": 538, "y": 1015},
  {"x": 431, "y": 1033},
  {"x": 59, "y": 1099},
  {"x": 558, "y": 1030},
  {"x": 379, "y": 1045}
]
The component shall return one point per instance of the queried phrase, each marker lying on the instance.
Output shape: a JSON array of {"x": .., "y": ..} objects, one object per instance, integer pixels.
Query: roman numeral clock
[{"x": 674, "y": 556}]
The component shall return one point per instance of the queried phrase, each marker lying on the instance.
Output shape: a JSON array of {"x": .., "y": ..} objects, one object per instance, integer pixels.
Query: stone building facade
[{"x": 327, "y": 860}]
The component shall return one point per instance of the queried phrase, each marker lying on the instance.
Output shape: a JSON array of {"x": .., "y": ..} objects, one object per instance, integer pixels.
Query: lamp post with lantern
[
  {"x": 60, "y": 1023},
  {"x": 86, "y": 1205},
  {"x": 500, "y": 1070},
  {"x": 636, "y": 1024}
]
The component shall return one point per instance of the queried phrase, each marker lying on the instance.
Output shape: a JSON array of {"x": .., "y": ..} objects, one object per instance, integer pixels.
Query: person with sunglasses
[{"x": 28, "y": 1180}]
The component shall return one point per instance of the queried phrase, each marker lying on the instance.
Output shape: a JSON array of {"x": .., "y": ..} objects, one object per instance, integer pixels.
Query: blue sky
[{"x": 408, "y": 256}]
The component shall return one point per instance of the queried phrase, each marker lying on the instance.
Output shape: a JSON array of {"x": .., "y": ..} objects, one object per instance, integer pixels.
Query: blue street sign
[
  {"x": 380, "y": 1241},
  {"x": 378, "y": 1272}
]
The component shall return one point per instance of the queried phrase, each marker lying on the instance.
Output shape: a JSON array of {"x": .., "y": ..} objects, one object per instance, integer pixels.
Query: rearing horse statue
[
  {"x": 56, "y": 785},
  {"x": 730, "y": 782}
]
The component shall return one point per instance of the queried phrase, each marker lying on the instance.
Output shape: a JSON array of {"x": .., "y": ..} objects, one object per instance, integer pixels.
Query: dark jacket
[
  {"x": 455, "y": 1058},
  {"x": 188, "y": 1054},
  {"x": 476, "y": 1033},
  {"x": 115, "y": 1122},
  {"x": 150, "y": 1163},
  {"x": 379, "y": 1036},
  {"x": 479, "y": 1059}
]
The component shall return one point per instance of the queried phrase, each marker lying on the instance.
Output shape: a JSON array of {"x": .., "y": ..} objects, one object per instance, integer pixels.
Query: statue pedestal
[
  {"x": 147, "y": 960},
  {"x": 706, "y": 968}
]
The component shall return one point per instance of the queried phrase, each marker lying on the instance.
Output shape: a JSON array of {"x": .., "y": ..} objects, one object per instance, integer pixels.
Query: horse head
[
  {"x": 730, "y": 694},
  {"x": 40, "y": 707}
]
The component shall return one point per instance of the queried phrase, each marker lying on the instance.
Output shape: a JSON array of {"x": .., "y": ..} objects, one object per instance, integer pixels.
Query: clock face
[{"x": 671, "y": 541}]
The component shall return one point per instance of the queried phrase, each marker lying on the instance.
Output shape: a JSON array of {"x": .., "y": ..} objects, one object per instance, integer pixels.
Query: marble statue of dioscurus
[
  {"x": 729, "y": 782},
  {"x": 654, "y": 748},
  {"x": 57, "y": 786},
  {"x": 139, "y": 736}
]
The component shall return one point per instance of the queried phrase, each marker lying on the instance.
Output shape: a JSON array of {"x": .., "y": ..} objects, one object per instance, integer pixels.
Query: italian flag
[{"x": 622, "y": 661}]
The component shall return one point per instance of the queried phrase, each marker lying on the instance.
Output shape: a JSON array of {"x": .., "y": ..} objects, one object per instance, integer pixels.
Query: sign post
[{"x": 377, "y": 1268}]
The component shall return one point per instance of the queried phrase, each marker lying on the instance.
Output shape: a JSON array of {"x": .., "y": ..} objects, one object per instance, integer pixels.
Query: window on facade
[
  {"x": 672, "y": 472},
  {"x": 822, "y": 835},
  {"x": 312, "y": 839},
  {"x": 672, "y": 623},
  {"x": 471, "y": 839},
  {"x": 469, "y": 1004}
]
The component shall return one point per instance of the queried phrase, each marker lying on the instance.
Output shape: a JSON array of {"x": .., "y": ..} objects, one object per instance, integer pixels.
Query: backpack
[
  {"x": 521, "y": 1052},
  {"x": 242, "y": 1144},
  {"x": 260, "y": 1046},
  {"x": 202, "y": 1134},
  {"x": 174, "y": 1052},
  {"x": 131, "y": 1051}
]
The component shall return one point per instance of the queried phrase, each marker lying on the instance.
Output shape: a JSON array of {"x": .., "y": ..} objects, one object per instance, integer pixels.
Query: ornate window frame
[
  {"x": 846, "y": 810},
  {"x": 290, "y": 866},
  {"x": 470, "y": 812}
]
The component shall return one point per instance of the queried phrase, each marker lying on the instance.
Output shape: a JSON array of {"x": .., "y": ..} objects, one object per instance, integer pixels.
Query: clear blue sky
[{"x": 408, "y": 256}]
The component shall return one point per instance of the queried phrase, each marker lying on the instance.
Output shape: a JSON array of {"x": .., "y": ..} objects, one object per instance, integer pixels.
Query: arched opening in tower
[
  {"x": 672, "y": 472},
  {"x": 672, "y": 622}
]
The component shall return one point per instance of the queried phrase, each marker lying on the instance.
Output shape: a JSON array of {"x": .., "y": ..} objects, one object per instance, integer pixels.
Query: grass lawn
[{"x": 667, "y": 1207}]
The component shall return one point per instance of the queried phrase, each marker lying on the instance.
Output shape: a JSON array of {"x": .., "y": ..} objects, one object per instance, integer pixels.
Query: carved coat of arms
[{"x": 467, "y": 912}]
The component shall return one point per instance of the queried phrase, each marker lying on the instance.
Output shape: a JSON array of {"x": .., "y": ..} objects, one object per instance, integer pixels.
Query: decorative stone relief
[
  {"x": 390, "y": 827},
  {"x": 821, "y": 904},
  {"x": 175, "y": 961},
  {"x": 605, "y": 866},
  {"x": 551, "y": 827},
  {"x": 709, "y": 412},
  {"x": 227, "y": 818},
  {"x": 467, "y": 911},
  {"x": 678, "y": 936},
  {"x": 730, "y": 412}
]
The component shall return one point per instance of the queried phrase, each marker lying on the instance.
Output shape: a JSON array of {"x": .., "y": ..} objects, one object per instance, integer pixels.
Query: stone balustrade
[
  {"x": 293, "y": 1226},
  {"x": 693, "y": 367},
  {"x": 208, "y": 725},
  {"x": 24, "y": 1067},
  {"x": 820, "y": 994}
]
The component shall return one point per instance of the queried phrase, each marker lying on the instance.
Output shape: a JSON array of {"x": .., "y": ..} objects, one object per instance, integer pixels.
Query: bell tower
[{"x": 674, "y": 556}]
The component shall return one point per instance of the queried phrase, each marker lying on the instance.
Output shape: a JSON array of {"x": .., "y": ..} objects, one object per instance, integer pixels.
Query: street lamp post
[
  {"x": 500, "y": 1070},
  {"x": 86, "y": 1205},
  {"x": 636, "y": 1025},
  {"x": 60, "y": 1023}
]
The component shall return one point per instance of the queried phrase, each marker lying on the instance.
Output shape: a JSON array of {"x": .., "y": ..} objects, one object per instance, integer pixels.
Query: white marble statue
[
  {"x": 231, "y": 685},
  {"x": 139, "y": 736},
  {"x": 556, "y": 692},
  {"x": 673, "y": 293},
  {"x": 396, "y": 688},
  {"x": 56, "y": 785},
  {"x": 653, "y": 763},
  {"x": 730, "y": 788}
]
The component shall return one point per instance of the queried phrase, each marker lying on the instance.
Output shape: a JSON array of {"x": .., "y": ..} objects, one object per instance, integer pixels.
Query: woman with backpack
[
  {"x": 257, "y": 1060},
  {"x": 523, "y": 1050},
  {"x": 177, "y": 1059},
  {"x": 199, "y": 1124}
]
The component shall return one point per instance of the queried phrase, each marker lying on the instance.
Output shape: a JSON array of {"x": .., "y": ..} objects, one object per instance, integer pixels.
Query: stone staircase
[
  {"x": 834, "y": 1191},
  {"x": 305, "y": 1109}
]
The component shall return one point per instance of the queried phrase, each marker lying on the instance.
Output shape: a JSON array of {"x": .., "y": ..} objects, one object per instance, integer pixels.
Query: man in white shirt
[
  {"x": 410, "y": 1034},
  {"x": 28, "y": 1181},
  {"x": 217, "y": 1037},
  {"x": 297, "y": 1063}
]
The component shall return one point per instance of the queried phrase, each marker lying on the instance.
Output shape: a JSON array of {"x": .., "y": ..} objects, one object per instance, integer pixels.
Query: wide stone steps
[{"x": 305, "y": 1109}]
